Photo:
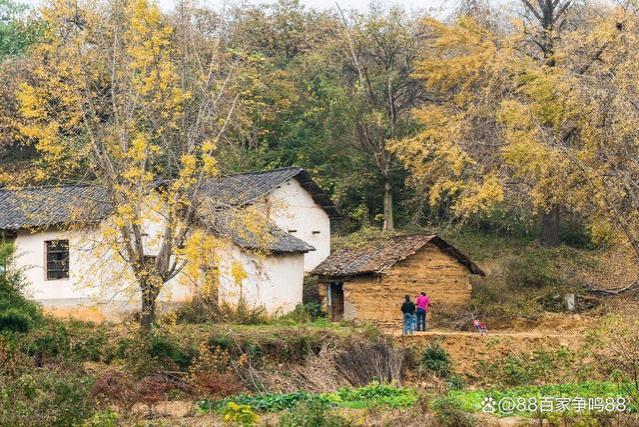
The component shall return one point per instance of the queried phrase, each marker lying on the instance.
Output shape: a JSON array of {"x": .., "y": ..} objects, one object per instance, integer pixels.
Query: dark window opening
[
  {"x": 57, "y": 259},
  {"x": 316, "y": 232},
  {"x": 292, "y": 231}
]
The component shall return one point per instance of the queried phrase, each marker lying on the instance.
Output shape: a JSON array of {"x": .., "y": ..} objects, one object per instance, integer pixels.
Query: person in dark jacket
[{"x": 408, "y": 309}]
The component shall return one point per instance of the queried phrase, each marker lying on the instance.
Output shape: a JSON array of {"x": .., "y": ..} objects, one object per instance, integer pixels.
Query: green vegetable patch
[
  {"x": 372, "y": 395},
  {"x": 530, "y": 401}
]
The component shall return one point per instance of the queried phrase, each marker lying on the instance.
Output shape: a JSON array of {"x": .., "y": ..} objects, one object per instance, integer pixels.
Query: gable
[{"x": 247, "y": 188}]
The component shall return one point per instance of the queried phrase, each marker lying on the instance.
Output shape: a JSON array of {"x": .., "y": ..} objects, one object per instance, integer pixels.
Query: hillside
[{"x": 532, "y": 342}]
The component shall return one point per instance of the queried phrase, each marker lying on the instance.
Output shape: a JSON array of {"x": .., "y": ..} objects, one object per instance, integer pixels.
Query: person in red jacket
[{"x": 422, "y": 304}]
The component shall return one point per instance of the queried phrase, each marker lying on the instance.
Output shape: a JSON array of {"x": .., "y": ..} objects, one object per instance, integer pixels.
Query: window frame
[{"x": 56, "y": 247}]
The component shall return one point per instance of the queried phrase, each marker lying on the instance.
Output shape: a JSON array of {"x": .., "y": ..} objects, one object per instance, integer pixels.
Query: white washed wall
[
  {"x": 274, "y": 282},
  {"x": 98, "y": 280},
  {"x": 293, "y": 209}
]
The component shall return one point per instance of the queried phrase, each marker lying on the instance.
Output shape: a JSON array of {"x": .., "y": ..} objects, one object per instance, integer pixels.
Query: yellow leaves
[
  {"x": 459, "y": 57},
  {"x": 238, "y": 273},
  {"x": 137, "y": 175},
  {"x": 124, "y": 215},
  {"x": 210, "y": 166},
  {"x": 150, "y": 49},
  {"x": 250, "y": 224},
  {"x": 202, "y": 253},
  {"x": 189, "y": 162},
  {"x": 480, "y": 197},
  {"x": 436, "y": 160},
  {"x": 138, "y": 148},
  {"x": 31, "y": 103},
  {"x": 549, "y": 95},
  {"x": 523, "y": 151},
  {"x": 433, "y": 151},
  {"x": 208, "y": 146}
]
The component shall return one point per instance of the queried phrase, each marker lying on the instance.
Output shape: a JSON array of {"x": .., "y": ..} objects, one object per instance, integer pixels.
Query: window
[
  {"x": 57, "y": 259},
  {"x": 316, "y": 232}
]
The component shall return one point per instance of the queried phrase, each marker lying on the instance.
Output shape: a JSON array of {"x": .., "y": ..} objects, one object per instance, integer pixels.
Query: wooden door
[{"x": 337, "y": 302}]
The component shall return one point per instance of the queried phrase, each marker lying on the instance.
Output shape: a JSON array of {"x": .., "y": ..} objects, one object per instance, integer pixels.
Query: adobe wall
[{"x": 378, "y": 298}]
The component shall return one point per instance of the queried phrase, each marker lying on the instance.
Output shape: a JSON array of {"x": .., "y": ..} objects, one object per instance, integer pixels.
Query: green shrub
[
  {"x": 436, "y": 360},
  {"x": 312, "y": 414},
  {"x": 450, "y": 413},
  {"x": 456, "y": 382},
  {"x": 18, "y": 313},
  {"x": 306, "y": 313},
  {"x": 107, "y": 418},
  {"x": 529, "y": 270},
  {"x": 224, "y": 342},
  {"x": 15, "y": 320},
  {"x": 207, "y": 311},
  {"x": 46, "y": 397},
  {"x": 526, "y": 368},
  {"x": 270, "y": 402},
  {"x": 164, "y": 349},
  {"x": 91, "y": 342},
  {"x": 374, "y": 394},
  {"x": 49, "y": 340}
]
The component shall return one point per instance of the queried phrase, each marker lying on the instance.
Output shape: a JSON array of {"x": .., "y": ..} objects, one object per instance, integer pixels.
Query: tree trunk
[
  {"x": 550, "y": 228},
  {"x": 389, "y": 224},
  {"x": 148, "y": 314}
]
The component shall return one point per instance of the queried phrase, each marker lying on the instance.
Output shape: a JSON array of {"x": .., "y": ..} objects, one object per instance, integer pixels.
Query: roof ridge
[
  {"x": 377, "y": 256},
  {"x": 43, "y": 187},
  {"x": 258, "y": 172},
  {"x": 414, "y": 235},
  {"x": 46, "y": 187}
]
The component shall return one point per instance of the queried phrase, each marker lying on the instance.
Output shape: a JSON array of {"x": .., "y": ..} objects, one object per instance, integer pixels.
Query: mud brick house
[{"x": 369, "y": 283}]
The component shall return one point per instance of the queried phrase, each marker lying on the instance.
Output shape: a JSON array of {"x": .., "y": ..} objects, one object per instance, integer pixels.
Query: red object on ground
[{"x": 480, "y": 326}]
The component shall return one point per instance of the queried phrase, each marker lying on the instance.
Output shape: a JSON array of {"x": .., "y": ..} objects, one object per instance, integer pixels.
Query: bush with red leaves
[
  {"x": 215, "y": 385},
  {"x": 151, "y": 390},
  {"x": 117, "y": 388}
]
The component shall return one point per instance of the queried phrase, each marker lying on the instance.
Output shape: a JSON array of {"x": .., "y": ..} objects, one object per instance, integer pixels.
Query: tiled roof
[
  {"x": 46, "y": 206},
  {"x": 243, "y": 189},
  {"x": 381, "y": 255},
  {"x": 266, "y": 236},
  {"x": 49, "y": 206}
]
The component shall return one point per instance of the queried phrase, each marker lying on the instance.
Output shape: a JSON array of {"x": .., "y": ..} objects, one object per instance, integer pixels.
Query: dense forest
[{"x": 519, "y": 119}]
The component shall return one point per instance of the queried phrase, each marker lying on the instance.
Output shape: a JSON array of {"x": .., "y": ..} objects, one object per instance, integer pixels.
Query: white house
[{"x": 67, "y": 267}]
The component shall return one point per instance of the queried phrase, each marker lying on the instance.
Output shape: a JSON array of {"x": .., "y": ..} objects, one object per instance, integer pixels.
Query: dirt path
[{"x": 515, "y": 334}]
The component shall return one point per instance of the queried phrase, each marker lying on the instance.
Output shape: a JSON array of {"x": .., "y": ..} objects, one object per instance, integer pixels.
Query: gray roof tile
[
  {"x": 243, "y": 189},
  {"x": 377, "y": 256},
  {"x": 49, "y": 206}
]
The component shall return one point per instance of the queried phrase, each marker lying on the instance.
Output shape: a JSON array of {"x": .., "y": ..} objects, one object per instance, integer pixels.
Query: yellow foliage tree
[
  {"x": 523, "y": 112},
  {"x": 134, "y": 101}
]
